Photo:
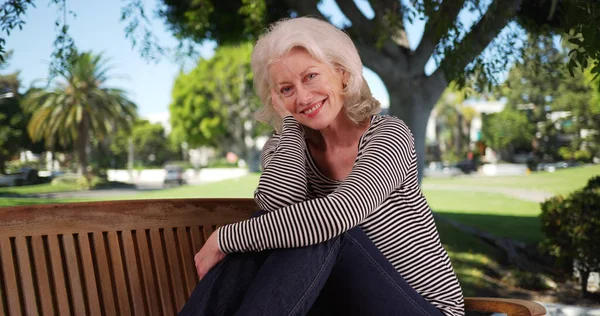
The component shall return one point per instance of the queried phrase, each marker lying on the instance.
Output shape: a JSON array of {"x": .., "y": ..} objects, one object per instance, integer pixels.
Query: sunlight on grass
[
  {"x": 40, "y": 188},
  {"x": 560, "y": 182},
  {"x": 495, "y": 213}
]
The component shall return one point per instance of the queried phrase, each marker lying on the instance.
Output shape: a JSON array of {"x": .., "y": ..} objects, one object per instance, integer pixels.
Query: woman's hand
[
  {"x": 278, "y": 105},
  {"x": 208, "y": 256}
]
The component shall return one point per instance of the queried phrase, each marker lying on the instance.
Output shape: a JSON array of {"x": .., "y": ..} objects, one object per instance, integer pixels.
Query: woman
[{"x": 344, "y": 227}]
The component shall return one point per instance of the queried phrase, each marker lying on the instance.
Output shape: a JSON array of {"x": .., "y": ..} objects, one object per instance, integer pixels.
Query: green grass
[
  {"x": 5, "y": 202},
  {"x": 492, "y": 212},
  {"x": 562, "y": 181},
  {"x": 40, "y": 189},
  {"x": 471, "y": 259},
  {"x": 235, "y": 188}
]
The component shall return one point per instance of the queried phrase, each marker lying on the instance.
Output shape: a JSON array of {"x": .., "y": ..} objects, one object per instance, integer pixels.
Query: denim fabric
[{"x": 346, "y": 275}]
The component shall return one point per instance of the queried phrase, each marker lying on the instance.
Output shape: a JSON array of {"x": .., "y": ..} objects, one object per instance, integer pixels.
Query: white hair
[{"x": 325, "y": 43}]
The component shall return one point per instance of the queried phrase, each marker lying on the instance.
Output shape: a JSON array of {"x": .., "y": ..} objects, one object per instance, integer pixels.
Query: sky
[{"x": 97, "y": 28}]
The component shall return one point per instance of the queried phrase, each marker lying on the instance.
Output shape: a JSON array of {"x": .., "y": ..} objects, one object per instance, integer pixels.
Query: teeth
[{"x": 314, "y": 108}]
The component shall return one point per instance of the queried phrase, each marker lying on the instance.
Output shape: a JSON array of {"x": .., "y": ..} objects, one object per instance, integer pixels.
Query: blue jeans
[{"x": 346, "y": 275}]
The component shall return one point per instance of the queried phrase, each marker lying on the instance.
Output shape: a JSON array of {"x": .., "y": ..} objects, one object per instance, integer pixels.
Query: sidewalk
[{"x": 522, "y": 194}]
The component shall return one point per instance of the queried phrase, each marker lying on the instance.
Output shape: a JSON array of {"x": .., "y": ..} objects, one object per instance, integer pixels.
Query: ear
[{"x": 345, "y": 75}]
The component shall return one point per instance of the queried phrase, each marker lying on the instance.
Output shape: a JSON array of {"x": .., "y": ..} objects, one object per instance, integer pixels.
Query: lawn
[
  {"x": 492, "y": 212},
  {"x": 39, "y": 189},
  {"x": 563, "y": 181}
]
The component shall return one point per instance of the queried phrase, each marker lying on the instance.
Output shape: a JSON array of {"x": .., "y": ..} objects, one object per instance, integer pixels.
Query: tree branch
[
  {"x": 435, "y": 28},
  {"x": 361, "y": 26},
  {"x": 488, "y": 27},
  {"x": 306, "y": 8},
  {"x": 383, "y": 7}
]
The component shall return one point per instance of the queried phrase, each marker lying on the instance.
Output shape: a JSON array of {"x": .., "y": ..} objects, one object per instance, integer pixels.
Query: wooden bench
[{"x": 123, "y": 257}]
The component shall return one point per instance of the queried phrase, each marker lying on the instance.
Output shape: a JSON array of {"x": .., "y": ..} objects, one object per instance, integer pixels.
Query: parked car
[
  {"x": 439, "y": 169},
  {"x": 25, "y": 176},
  {"x": 174, "y": 175}
]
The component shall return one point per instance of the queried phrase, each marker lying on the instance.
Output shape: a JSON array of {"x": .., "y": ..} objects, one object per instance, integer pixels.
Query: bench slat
[
  {"x": 120, "y": 284},
  {"x": 186, "y": 250},
  {"x": 108, "y": 299},
  {"x": 133, "y": 274},
  {"x": 75, "y": 284},
  {"x": 163, "y": 282},
  {"x": 10, "y": 277},
  {"x": 149, "y": 278},
  {"x": 58, "y": 276},
  {"x": 197, "y": 238},
  {"x": 175, "y": 267},
  {"x": 41, "y": 272},
  {"x": 26, "y": 276},
  {"x": 89, "y": 274}
]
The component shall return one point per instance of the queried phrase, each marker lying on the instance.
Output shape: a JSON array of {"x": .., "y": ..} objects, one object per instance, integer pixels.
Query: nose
[{"x": 304, "y": 96}]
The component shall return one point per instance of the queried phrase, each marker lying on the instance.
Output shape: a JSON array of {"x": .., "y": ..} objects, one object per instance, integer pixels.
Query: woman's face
[{"x": 310, "y": 90}]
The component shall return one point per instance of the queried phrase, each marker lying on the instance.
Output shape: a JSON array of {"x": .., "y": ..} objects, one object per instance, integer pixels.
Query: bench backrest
[{"x": 106, "y": 258}]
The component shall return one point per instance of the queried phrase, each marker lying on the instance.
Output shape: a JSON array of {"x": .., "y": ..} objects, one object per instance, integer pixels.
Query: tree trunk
[
  {"x": 412, "y": 100},
  {"x": 83, "y": 139},
  {"x": 584, "y": 276}
]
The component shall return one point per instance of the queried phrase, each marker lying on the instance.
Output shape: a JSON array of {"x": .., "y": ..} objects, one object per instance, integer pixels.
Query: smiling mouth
[{"x": 314, "y": 107}]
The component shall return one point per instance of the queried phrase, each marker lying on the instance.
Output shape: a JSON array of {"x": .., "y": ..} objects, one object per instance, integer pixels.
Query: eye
[
  {"x": 311, "y": 76},
  {"x": 286, "y": 90}
]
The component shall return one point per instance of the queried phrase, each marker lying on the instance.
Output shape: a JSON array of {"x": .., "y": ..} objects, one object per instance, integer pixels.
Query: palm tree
[{"x": 79, "y": 106}]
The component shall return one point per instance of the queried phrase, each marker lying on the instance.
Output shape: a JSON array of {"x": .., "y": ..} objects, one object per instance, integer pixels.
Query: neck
[{"x": 341, "y": 133}]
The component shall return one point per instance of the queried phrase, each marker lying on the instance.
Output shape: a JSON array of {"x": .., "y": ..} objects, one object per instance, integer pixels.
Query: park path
[{"x": 522, "y": 194}]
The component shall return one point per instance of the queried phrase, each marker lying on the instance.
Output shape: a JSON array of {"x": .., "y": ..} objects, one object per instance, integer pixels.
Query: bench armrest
[{"x": 504, "y": 305}]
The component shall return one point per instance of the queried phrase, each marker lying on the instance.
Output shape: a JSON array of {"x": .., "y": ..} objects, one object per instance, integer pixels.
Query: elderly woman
[{"x": 344, "y": 228}]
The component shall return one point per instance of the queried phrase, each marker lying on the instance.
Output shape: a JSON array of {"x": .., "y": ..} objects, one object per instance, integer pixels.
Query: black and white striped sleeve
[
  {"x": 387, "y": 158},
  {"x": 283, "y": 181}
]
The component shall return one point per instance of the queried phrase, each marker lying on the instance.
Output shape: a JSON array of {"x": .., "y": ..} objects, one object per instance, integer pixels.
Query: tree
[
  {"x": 12, "y": 118},
  {"x": 384, "y": 46},
  {"x": 78, "y": 107},
  {"x": 507, "y": 130},
  {"x": 214, "y": 103},
  {"x": 150, "y": 144},
  {"x": 381, "y": 38},
  {"x": 456, "y": 118}
]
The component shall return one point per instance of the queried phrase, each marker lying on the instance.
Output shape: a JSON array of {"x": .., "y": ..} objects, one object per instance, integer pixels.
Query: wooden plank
[
  {"x": 119, "y": 274},
  {"x": 187, "y": 253},
  {"x": 162, "y": 274},
  {"x": 93, "y": 299},
  {"x": 197, "y": 238},
  {"x": 10, "y": 277},
  {"x": 41, "y": 272},
  {"x": 133, "y": 275},
  {"x": 60, "y": 288},
  {"x": 108, "y": 299},
  {"x": 207, "y": 230},
  {"x": 504, "y": 305},
  {"x": 154, "y": 308},
  {"x": 77, "y": 301},
  {"x": 2, "y": 308},
  {"x": 121, "y": 215},
  {"x": 26, "y": 276},
  {"x": 176, "y": 266}
]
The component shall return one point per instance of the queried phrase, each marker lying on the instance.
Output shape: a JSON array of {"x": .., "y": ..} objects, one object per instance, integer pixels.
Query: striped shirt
[{"x": 381, "y": 195}]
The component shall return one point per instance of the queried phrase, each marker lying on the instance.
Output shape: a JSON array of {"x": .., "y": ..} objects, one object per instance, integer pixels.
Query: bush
[
  {"x": 593, "y": 183},
  {"x": 571, "y": 226},
  {"x": 582, "y": 156}
]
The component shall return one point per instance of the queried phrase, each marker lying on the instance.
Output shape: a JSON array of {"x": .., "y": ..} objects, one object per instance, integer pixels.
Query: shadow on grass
[
  {"x": 479, "y": 266},
  {"x": 522, "y": 228}
]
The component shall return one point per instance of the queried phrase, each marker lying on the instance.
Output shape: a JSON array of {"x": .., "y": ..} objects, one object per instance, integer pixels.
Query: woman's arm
[
  {"x": 283, "y": 181},
  {"x": 388, "y": 158}
]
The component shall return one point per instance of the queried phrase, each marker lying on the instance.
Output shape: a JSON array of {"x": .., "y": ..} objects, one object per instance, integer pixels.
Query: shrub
[
  {"x": 582, "y": 156},
  {"x": 593, "y": 183},
  {"x": 571, "y": 226}
]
